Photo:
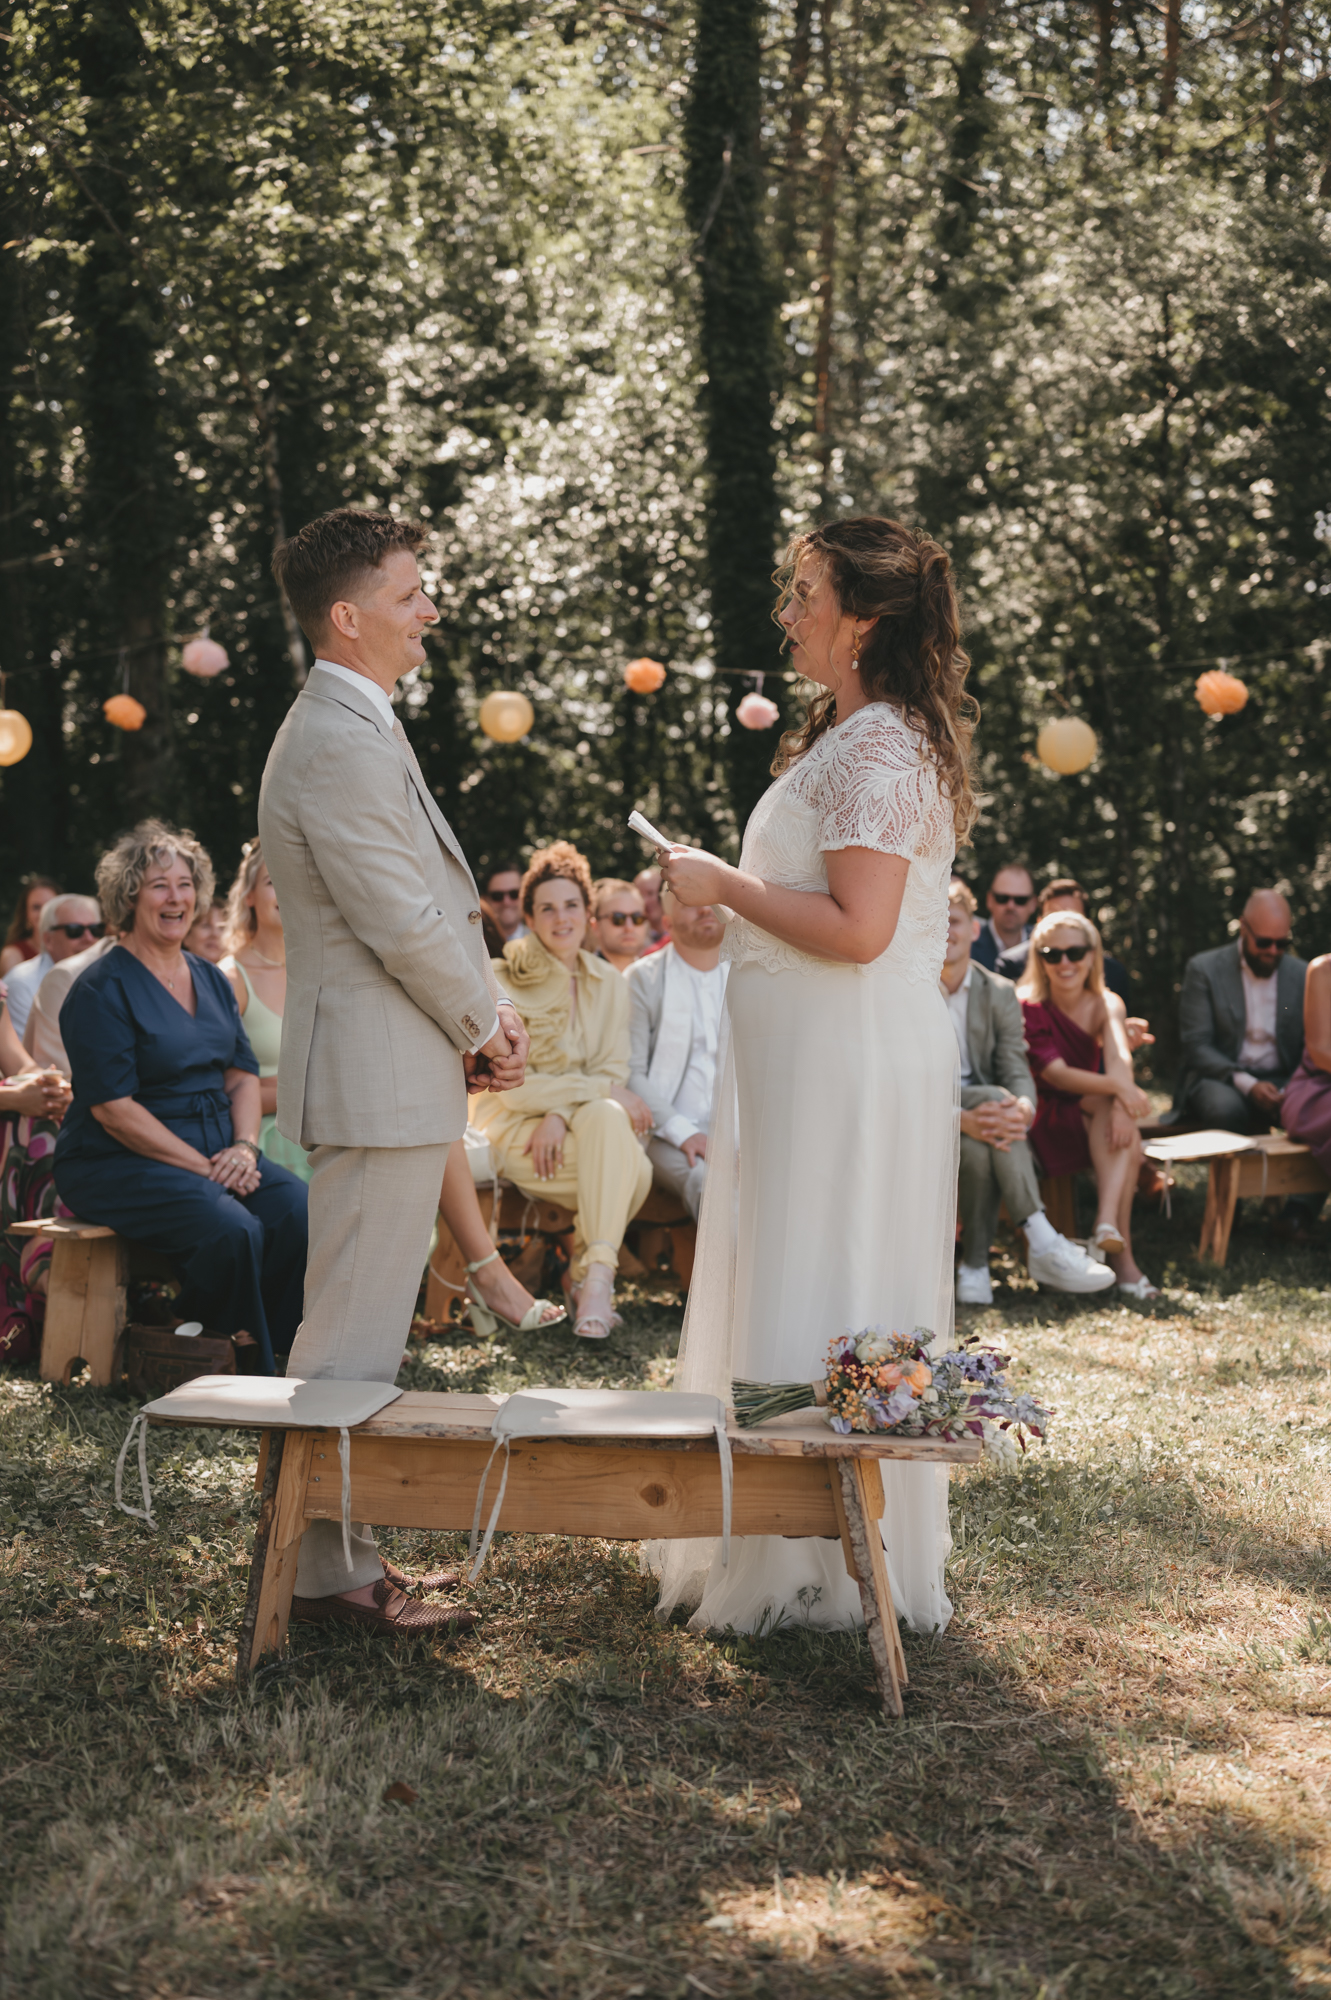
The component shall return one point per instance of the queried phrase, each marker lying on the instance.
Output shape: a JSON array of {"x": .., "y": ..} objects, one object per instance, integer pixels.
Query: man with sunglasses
[
  {"x": 67, "y": 924},
  {"x": 618, "y": 929},
  {"x": 502, "y": 890},
  {"x": 1011, "y": 905},
  {"x": 1241, "y": 1022}
]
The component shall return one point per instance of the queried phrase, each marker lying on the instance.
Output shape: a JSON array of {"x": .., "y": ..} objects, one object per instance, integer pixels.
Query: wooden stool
[
  {"x": 418, "y": 1464},
  {"x": 85, "y": 1299},
  {"x": 1241, "y": 1169}
]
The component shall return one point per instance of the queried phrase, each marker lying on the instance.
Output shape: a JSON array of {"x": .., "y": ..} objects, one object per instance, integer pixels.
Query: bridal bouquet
[{"x": 895, "y": 1382}]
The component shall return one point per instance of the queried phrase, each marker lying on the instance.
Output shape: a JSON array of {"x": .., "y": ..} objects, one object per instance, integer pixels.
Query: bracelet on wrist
[{"x": 251, "y": 1146}]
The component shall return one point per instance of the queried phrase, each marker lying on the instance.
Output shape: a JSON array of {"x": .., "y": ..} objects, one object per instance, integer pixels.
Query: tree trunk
[
  {"x": 961, "y": 192},
  {"x": 1276, "y": 98},
  {"x": 724, "y": 196},
  {"x": 788, "y": 202},
  {"x": 1173, "y": 39},
  {"x": 828, "y": 163}
]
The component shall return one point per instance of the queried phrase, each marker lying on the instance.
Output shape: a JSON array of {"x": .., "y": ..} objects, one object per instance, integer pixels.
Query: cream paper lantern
[
  {"x": 1067, "y": 745},
  {"x": 506, "y": 717},
  {"x": 15, "y": 736},
  {"x": 203, "y": 657}
]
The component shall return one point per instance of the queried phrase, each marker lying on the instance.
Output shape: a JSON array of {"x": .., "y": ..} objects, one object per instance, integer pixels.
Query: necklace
[{"x": 278, "y": 963}]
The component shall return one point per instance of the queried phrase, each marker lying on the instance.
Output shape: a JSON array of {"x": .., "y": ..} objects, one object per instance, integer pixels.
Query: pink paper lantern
[
  {"x": 203, "y": 658},
  {"x": 756, "y": 712}
]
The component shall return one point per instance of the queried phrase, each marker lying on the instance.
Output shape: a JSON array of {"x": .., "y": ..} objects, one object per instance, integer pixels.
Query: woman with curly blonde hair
[{"x": 836, "y": 1207}]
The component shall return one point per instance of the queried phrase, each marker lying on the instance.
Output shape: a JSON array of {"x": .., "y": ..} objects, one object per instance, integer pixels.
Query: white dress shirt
[
  {"x": 693, "y": 1099},
  {"x": 958, "y": 1007},
  {"x": 22, "y": 984},
  {"x": 1259, "y": 1054}
]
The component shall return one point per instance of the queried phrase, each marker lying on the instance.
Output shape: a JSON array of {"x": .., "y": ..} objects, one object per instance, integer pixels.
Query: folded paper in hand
[{"x": 639, "y": 823}]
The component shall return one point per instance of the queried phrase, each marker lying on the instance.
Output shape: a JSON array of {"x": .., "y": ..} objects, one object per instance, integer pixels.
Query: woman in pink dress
[
  {"x": 1305, "y": 1108},
  {"x": 1088, "y": 1099}
]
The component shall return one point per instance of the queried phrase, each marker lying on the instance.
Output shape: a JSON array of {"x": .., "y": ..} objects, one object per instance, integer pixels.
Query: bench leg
[
  {"x": 859, "y": 1507},
  {"x": 85, "y": 1309},
  {"x": 1222, "y": 1194},
  {"x": 276, "y": 1549}
]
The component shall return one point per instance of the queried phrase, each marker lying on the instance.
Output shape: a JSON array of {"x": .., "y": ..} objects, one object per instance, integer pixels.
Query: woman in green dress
[{"x": 257, "y": 969}]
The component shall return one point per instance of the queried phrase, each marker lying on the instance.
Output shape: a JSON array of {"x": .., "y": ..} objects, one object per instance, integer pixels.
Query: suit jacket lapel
[{"x": 328, "y": 687}]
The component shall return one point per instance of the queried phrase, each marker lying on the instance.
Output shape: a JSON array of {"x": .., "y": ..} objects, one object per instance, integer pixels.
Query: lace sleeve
[{"x": 878, "y": 787}]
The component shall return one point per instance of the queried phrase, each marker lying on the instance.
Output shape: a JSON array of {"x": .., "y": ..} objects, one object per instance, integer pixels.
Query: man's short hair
[
  {"x": 1064, "y": 886},
  {"x": 608, "y": 886},
  {"x": 1012, "y": 868},
  {"x": 502, "y": 868},
  {"x": 330, "y": 558},
  {"x": 959, "y": 892},
  {"x": 53, "y": 914}
]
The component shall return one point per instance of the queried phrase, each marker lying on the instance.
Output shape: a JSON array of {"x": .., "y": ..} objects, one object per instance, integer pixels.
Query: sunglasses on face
[
  {"x": 1054, "y": 954},
  {"x": 1019, "y": 900},
  {"x": 621, "y": 917},
  {"x": 505, "y": 895},
  {"x": 81, "y": 930},
  {"x": 1269, "y": 944}
]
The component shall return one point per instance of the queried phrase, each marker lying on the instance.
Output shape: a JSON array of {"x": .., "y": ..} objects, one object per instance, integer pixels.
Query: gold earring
[{"x": 854, "y": 650}]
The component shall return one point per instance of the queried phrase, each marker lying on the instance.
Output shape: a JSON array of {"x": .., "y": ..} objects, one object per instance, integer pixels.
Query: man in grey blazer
[
  {"x": 997, "y": 1107},
  {"x": 1241, "y": 1022},
  {"x": 392, "y": 1010}
]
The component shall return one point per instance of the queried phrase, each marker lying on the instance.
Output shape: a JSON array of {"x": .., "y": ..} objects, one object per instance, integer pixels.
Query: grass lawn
[{"x": 1113, "y": 1777}]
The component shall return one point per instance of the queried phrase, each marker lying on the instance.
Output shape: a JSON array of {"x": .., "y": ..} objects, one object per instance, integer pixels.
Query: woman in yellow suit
[{"x": 571, "y": 1132}]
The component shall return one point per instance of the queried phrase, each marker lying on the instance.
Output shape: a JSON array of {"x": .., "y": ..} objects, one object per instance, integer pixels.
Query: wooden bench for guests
[
  {"x": 87, "y": 1297},
  {"x": 1240, "y": 1169},
  {"x": 418, "y": 1464},
  {"x": 661, "y": 1228}
]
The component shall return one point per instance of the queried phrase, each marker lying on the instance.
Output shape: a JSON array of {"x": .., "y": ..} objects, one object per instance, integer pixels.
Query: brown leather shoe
[
  {"x": 392, "y": 1611},
  {"x": 433, "y": 1579}
]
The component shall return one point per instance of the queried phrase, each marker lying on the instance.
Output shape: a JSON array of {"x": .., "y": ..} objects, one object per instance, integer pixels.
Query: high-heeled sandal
[
  {"x": 486, "y": 1321},
  {"x": 600, "y": 1320},
  {"x": 1108, "y": 1238}
]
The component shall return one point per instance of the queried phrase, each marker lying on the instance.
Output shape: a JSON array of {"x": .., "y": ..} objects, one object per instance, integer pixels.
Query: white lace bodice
[{"x": 869, "y": 782}]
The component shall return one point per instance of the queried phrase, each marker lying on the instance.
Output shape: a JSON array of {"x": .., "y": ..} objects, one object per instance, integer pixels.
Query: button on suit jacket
[{"x": 388, "y": 980}]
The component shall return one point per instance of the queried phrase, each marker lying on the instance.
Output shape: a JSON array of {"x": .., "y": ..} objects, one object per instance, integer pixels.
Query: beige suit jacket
[{"x": 388, "y": 981}]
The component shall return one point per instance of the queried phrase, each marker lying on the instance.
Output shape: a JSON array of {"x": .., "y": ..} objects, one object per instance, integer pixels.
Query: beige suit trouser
[
  {"x": 371, "y": 1212},
  {"x": 606, "y": 1177}
]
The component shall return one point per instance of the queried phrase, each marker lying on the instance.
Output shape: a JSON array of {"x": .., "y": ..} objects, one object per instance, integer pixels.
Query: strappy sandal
[
  {"x": 539, "y": 1317},
  {"x": 1141, "y": 1289},
  {"x": 1108, "y": 1239},
  {"x": 595, "y": 1318}
]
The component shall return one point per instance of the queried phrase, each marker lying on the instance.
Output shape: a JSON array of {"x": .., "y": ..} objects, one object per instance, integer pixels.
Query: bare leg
[
  {"x": 1113, "y": 1166},
  {"x": 462, "y": 1213},
  {"x": 1126, "y": 1267}
]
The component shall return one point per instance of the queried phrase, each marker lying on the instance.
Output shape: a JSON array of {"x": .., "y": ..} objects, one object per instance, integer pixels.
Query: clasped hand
[
  {"x": 500, "y": 1063},
  {"x": 998, "y": 1121},
  {"x": 236, "y": 1169}
]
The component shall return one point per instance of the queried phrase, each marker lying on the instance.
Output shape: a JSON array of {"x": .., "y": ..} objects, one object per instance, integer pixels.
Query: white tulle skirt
[{"x": 833, "y": 1205}]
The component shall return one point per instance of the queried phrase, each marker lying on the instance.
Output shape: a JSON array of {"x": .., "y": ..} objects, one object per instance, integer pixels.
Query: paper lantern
[
  {"x": 1067, "y": 745},
  {"x": 124, "y": 711},
  {"x": 756, "y": 712},
  {"x": 644, "y": 676},
  {"x": 203, "y": 657},
  {"x": 1221, "y": 694},
  {"x": 506, "y": 717},
  {"x": 15, "y": 736}
]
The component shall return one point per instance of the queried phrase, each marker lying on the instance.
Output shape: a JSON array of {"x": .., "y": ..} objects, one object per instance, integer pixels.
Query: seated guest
[
  {"x": 567, "y": 1133},
  {"x": 618, "y": 929},
  {"x": 257, "y": 969},
  {"x": 1010, "y": 900},
  {"x": 21, "y": 937},
  {"x": 1305, "y": 1108},
  {"x": 1088, "y": 1100},
  {"x": 495, "y": 1297},
  {"x": 207, "y": 938},
  {"x": 161, "y": 1141},
  {"x": 32, "y": 1103},
  {"x": 67, "y": 924},
  {"x": 997, "y": 1107},
  {"x": 41, "y": 1037},
  {"x": 1241, "y": 1022},
  {"x": 502, "y": 890},
  {"x": 647, "y": 882},
  {"x": 675, "y": 1001},
  {"x": 1064, "y": 894}
]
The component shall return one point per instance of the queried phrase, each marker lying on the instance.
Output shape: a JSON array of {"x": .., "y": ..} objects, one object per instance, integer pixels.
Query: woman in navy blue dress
[{"x": 161, "y": 1140}]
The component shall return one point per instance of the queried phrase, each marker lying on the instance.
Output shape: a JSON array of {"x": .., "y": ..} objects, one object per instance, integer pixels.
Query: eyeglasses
[
  {"x": 1019, "y": 900},
  {"x": 1054, "y": 954},
  {"x": 79, "y": 930},
  {"x": 621, "y": 917},
  {"x": 505, "y": 895},
  {"x": 1269, "y": 944}
]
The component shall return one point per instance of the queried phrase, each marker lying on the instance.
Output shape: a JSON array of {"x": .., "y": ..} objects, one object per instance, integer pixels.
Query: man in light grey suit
[
  {"x": 997, "y": 1107},
  {"x": 392, "y": 1010},
  {"x": 675, "y": 1001},
  {"x": 1241, "y": 1022}
]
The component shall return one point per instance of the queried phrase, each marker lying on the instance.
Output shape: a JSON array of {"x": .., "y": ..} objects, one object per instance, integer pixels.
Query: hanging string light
[
  {"x": 506, "y": 716},
  {"x": 1220, "y": 693},
  {"x": 203, "y": 657},
  {"x": 1067, "y": 745},
  {"x": 15, "y": 731},
  {"x": 756, "y": 711},
  {"x": 644, "y": 676}
]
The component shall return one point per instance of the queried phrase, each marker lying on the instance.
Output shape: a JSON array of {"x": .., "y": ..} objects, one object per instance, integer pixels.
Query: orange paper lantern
[
  {"x": 644, "y": 676},
  {"x": 124, "y": 711},
  {"x": 1221, "y": 694},
  {"x": 15, "y": 736},
  {"x": 505, "y": 716},
  {"x": 1067, "y": 745},
  {"x": 203, "y": 658},
  {"x": 756, "y": 712}
]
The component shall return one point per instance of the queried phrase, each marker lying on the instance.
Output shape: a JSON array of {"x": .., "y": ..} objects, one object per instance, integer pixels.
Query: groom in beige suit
[{"x": 392, "y": 1010}]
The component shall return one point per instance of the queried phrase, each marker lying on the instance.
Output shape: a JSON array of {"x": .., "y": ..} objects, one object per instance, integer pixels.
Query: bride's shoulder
[{"x": 877, "y": 734}]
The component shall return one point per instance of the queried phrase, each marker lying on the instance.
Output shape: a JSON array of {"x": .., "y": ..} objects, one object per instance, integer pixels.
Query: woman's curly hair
[
  {"x": 121, "y": 870},
  {"x": 241, "y": 922},
  {"x": 560, "y": 862},
  {"x": 913, "y": 655}
]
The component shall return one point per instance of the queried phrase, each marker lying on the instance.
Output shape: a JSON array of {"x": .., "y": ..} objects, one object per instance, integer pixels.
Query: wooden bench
[
  {"x": 418, "y": 1464},
  {"x": 1240, "y": 1169},
  {"x": 661, "y": 1227},
  {"x": 87, "y": 1296}
]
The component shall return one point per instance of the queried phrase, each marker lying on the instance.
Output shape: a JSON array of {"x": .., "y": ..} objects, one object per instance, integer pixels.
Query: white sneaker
[
  {"x": 973, "y": 1286},
  {"x": 1066, "y": 1268}
]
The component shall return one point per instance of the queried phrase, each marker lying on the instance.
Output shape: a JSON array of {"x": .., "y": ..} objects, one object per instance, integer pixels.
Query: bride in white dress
[{"x": 834, "y": 1205}]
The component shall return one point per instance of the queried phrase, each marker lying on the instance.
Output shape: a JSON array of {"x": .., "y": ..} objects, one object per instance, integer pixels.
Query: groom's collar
[{"x": 362, "y": 685}]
